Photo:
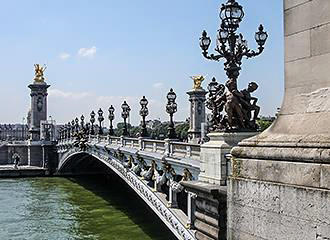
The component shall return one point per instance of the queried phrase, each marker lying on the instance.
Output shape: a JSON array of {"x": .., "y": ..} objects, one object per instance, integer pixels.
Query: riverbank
[{"x": 9, "y": 171}]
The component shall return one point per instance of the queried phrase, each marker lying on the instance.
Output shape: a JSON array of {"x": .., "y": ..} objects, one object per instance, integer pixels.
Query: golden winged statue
[
  {"x": 198, "y": 81},
  {"x": 39, "y": 73}
]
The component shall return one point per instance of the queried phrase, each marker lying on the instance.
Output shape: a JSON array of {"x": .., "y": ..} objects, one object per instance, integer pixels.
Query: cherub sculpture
[
  {"x": 249, "y": 103},
  {"x": 216, "y": 102},
  {"x": 233, "y": 105}
]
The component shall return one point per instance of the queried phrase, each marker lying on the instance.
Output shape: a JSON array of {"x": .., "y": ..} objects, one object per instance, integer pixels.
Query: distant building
[
  {"x": 14, "y": 132},
  {"x": 153, "y": 123}
]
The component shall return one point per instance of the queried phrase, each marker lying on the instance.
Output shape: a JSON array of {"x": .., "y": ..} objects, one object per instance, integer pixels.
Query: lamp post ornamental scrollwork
[{"x": 230, "y": 45}]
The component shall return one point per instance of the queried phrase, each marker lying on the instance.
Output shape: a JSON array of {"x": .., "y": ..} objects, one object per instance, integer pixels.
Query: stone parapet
[
  {"x": 269, "y": 210},
  {"x": 210, "y": 215}
]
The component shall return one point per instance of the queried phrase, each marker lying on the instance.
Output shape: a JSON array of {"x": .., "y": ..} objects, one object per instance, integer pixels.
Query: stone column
[
  {"x": 172, "y": 201},
  {"x": 197, "y": 113},
  {"x": 191, "y": 209},
  {"x": 38, "y": 108},
  {"x": 280, "y": 186}
]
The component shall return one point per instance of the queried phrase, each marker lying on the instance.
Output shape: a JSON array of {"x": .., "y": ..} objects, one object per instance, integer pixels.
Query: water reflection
[{"x": 81, "y": 208}]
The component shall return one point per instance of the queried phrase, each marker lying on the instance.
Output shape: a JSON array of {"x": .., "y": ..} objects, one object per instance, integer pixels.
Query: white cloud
[
  {"x": 64, "y": 56},
  {"x": 158, "y": 85},
  {"x": 69, "y": 95},
  {"x": 87, "y": 52}
]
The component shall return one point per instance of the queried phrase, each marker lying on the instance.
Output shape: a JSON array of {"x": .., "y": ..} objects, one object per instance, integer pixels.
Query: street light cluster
[
  {"x": 72, "y": 128},
  {"x": 230, "y": 45}
]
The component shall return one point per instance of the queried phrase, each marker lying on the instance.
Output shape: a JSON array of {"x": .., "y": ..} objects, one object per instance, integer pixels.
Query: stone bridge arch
[{"x": 75, "y": 161}]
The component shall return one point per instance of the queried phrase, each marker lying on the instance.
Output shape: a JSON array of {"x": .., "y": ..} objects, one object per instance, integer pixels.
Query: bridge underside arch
[{"x": 84, "y": 163}]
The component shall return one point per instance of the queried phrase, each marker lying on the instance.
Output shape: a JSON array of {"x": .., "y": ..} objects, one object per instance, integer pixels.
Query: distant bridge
[{"x": 152, "y": 168}]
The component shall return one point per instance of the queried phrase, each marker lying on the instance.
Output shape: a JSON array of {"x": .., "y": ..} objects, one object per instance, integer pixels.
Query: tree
[
  {"x": 264, "y": 124},
  {"x": 182, "y": 131}
]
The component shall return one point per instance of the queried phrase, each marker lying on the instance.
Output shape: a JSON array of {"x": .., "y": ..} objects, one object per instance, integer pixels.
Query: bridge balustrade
[
  {"x": 114, "y": 140},
  {"x": 186, "y": 150},
  {"x": 162, "y": 166},
  {"x": 171, "y": 148},
  {"x": 131, "y": 142}
]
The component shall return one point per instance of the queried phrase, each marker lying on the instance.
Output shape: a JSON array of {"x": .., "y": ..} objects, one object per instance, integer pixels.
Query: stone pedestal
[
  {"x": 40, "y": 153},
  {"x": 197, "y": 113},
  {"x": 213, "y": 160},
  {"x": 280, "y": 186},
  {"x": 38, "y": 108},
  {"x": 209, "y": 203}
]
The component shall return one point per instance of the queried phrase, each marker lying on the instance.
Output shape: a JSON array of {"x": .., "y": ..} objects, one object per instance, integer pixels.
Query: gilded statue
[
  {"x": 198, "y": 81},
  {"x": 39, "y": 73}
]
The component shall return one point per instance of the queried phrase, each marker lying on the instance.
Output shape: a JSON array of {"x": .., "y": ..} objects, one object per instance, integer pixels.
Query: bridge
[
  {"x": 275, "y": 185},
  {"x": 154, "y": 169}
]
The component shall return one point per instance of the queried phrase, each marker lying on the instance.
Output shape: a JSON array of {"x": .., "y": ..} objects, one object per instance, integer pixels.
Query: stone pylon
[
  {"x": 280, "y": 185},
  {"x": 38, "y": 107},
  {"x": 197, "y": 113}
]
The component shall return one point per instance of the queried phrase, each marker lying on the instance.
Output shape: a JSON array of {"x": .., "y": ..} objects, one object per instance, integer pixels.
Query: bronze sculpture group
[{"x": 232, "y": 109}]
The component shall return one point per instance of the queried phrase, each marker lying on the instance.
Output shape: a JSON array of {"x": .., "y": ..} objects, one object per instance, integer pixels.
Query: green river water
[{"x": 74, "y": 208}]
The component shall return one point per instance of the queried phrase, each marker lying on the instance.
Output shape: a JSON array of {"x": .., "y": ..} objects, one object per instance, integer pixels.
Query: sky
[{"x": 102, "y": 52}]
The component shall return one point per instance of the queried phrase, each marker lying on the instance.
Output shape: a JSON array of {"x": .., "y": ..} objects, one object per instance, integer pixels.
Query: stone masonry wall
[
  {"x": 264, "y": 210},
  {"x": 3, "y": 155},
  {"x": 278, "y": 200},
  {"x": 280, "y": 183}
]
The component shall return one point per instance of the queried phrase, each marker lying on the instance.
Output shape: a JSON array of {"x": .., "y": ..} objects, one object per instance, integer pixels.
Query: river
[{"x": 88, "y": 208}]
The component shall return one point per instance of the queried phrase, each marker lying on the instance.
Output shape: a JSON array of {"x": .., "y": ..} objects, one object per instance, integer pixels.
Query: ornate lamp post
[
  {"x": 143, "y": 113},
  {"x": 171, "y": 108},
  {"x": 125, "y": 114},
  {"x": 68, "y": 129},
  {"x": 230, "y": 45},
  {"x": 65, "y": 132},
  {"x": 77, "y": 125},
  {"x": 100, "y": 119},
  {"x": 72, "y": 128},
  {"x": 111, "y": 118},
  {"x": 82, "y": 123},
  {"x": 92, "y": 120},
  {"x": 87, "y": 128},
  {"x": 62, "y": 133},
  {"x": 60, "y": 137}
]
